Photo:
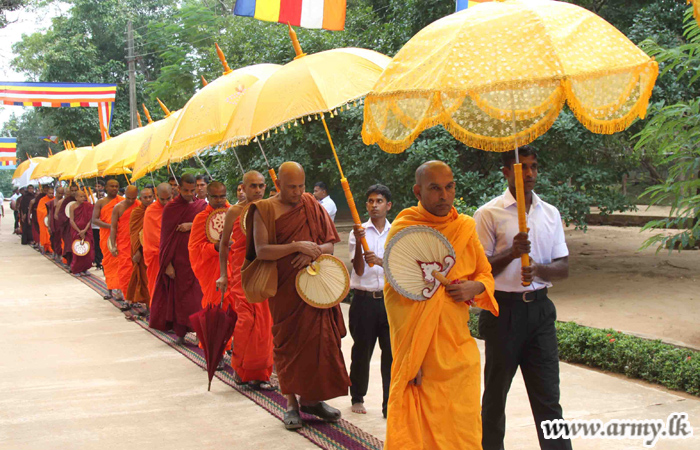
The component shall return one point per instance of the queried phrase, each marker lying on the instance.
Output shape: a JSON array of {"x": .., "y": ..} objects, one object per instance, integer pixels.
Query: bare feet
[
  {"x": 180, "y": 340},
  {"x": 359, "y": 408}
]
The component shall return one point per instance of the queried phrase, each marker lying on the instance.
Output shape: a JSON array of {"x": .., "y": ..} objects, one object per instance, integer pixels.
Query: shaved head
[
  {"x": 164, "y": 192},
  {"x": 216, "y": 194},
  {"x": 254, "y": 186},
  {"x": 292, "y": 181},
  {"x": 435, "y": 187},
  {"x": 112, "y": 188},
  {"x": 131, "y": 194},
  {"x": 146, "y": 196}
]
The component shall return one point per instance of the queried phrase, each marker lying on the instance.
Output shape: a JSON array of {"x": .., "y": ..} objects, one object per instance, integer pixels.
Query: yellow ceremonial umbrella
[
  {"x": 696, "y": 9},
  {"x": 71, "y": 164},
  {"x": 24, "y": 166},
  {"x": 306, "y": 88},
  {"x": 206, "y": 115},
  {"x": 87, "y": 168},
  {"x": 153, "y": 153},
  {"x": 496, "y": 76}
]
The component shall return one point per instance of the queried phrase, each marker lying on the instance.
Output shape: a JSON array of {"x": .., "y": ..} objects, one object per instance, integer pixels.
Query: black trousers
[
  {"x": 368, "y": 323},
  {"x": 523, "y": 335},
  {"x": 98, "y": 250}
]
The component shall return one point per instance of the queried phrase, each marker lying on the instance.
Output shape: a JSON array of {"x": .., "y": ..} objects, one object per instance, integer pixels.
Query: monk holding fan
[
  {"x": 102, "y": 216},
  {"x": 82, "y": 246}
]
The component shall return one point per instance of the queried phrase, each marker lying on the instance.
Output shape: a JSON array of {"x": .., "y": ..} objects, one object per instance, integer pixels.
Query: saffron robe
[
  {"x": 82, "y": 215},
  {"x": 110, "y": 264},
  {"x": 307, "y": 340},
  {"x": 36, "y": 232},
  {"x": 204, "y": 259},
  {"x": 42, "y": 213},
  {"x": 56, "y": 241},
  {"x": 152, "y": 220},
  {"x": 64, "y": 228},
  {"x": 123, "y": 240},
  {"x": 138, "y": 284},
  {"x": 175, "y": 300},
  {"x": 252, "y": 352},
  {"x": 445, "y": 411}
]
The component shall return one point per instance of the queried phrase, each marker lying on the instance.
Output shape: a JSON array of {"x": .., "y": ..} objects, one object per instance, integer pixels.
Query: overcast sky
[{"x": 26, "y": 21}]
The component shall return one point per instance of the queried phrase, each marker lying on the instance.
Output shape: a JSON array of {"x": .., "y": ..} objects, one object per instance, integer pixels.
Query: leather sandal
[
  {"x": 292, "y": 420},
  {"x": 322, "y": 410}
]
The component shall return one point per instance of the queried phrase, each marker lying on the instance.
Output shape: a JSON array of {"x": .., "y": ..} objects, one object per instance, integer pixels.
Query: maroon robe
[
  {"x": 307, "y": 340},
  {"x": 64, "y": 228},
  {"x": 36, "y": 233},
  {"x": 82, "y": 215},
  {"x": 174, "y": 301},
  {"x": 56, "y": 240}
]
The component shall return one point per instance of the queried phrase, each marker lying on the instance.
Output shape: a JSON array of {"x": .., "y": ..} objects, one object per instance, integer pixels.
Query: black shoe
[
  {"x": 124, "y": 306},
  {"x": 180, "y": 340},
  {"x": 323, "y": 411}
]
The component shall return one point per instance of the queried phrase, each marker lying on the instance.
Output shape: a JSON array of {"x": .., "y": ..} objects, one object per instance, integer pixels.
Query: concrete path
[{"x": 76, "y": 375}]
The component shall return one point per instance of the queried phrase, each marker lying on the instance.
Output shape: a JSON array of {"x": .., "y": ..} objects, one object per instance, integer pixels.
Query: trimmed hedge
[{"x": 613, "y": 351}]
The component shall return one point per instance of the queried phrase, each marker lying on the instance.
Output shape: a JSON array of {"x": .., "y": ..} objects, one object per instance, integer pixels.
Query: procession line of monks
[{"x": 157, "y": 253}]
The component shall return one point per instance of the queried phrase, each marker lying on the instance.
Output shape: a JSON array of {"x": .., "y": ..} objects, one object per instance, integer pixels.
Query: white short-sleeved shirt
[
  {"x": 373, "y": 278},
  {"x": 328, "y": 203},
  {"x": 497, "y": 225}
]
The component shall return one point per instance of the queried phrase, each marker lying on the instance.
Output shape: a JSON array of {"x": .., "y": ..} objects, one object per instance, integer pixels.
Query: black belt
[
  {"x": 527, "y": 296},
  {"x": 369, "y": 294}
]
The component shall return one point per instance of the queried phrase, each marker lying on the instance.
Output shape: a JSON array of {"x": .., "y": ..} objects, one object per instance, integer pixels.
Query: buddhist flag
[
  {"x": 8, "y": 153},
  {"x": 326, "y": 14},
  {"x": 464, "y": 4}
]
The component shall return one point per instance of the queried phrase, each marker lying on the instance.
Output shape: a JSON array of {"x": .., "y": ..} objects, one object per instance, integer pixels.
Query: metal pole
[
  {"x": 132, "y": 76},
  {"x": 239, "y": 161},
  {"x": 205, "y": 167}
]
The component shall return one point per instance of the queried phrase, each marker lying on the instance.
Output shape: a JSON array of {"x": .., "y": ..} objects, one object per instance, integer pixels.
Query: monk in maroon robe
[
  {"x": 177, "y": 294},
  {"x": 56, "y": 241},
  {"x": 81, "y": 228},
  {"x": 284, "y": 235},
  {"x": 63, "y": 222}
]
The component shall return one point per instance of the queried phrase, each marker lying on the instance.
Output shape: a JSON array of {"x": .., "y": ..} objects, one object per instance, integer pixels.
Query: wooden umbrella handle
[
  {"x": 441, "y": 278},
  {"x": 273, "y": 176},
  {"x": 522, "y": 217},
  {"x": 353, "y": 211}
]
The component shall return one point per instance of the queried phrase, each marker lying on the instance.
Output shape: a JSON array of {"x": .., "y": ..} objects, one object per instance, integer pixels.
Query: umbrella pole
[
  {"x": 270, "y": 170},
  {"x": 173, "y": 172},
  {"x": 520, "y": 199},
  {"x": 127, "y": 179},
  {"x": 153, "y": 182},
  {"x": 346, "y": 187},
  {"x": 240, "y": 166},
  {"x": 205, "y": 167}
]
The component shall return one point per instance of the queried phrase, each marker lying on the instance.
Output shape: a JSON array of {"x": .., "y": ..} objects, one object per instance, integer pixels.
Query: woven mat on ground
[{"x": 337, "y": 436}]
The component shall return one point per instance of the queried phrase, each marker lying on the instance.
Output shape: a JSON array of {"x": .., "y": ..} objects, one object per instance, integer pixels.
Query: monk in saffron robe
[
  {"x": 64, "y": 222},
  {"x": 24, "y": 212},
  {"x": 80, "y": 215},
  {"x": 285, "y": 234},
  {"x": 138, "y": 284},
  {"x": 177, "y": 294},
  {"x": 42, "y": 214},
  {"x": 434, "y": 400},
  {"x": 151, "y": 234},
  {"x": 251, "y": 356},
  {"x": 120, "y": 239},
  {"x": 102, "y": 217},
  {"x": 56, "y": 241},
  {"x": 36, "y": 231}
]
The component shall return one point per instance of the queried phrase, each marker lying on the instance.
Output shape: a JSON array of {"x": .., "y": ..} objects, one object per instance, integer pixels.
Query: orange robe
[
  {"x": 445, "y": 411},
  {"x": 138, "y": 284},
  {"x": 152, "y": 220},
  {"x": 252, "y": 356},
  {"x": 125, "y": 264},
  {"x": 204, "y": 259},
  {"x": 110, "y": 264},
  {"x": 41, "y": 214}
]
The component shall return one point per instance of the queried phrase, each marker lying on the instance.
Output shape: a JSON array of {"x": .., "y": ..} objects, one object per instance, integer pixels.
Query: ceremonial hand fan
[
  {"x": 215, "y": 225},
  {"x": 417, "y": 260},
  {"x": 80, "y": 247},
  {"x": 324, "y": 283},
  {"x": 68, "y": 209},
  {"x": 244, "y": 217},
  {"x": 46, "y": 221},
  {"x": 141, "y": 237}
]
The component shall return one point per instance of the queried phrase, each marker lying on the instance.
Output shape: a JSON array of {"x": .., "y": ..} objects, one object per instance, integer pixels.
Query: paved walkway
[{"x": 76, "y": 375}]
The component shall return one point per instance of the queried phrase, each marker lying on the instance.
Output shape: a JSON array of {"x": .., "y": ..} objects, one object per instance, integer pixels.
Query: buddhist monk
[
  {"x": 285, "y": 234},
  {"x": 24, "y": 212},
  {"x": 120, "y": 239},
  {"x": 138, "y": 284},
  {"x": 177, "y": 293},
  {"x": 251, "y": 356},
  {"x": 151, "y": 234},
  {"x": 42, "y": 214},
  {"x": 436, "y": 374},
  {"x": 56, "y": 241},
  {"x": 204, "y": 254},
  {"x": 64, "y": 223},
  {"x": 33, "y": 207},
  {"x": 102, "y": 217},
  {"x": 80, "y": 216}
]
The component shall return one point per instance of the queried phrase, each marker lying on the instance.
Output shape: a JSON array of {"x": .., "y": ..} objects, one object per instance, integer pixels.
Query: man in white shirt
[
  {"x": 368, "y": 320},
  {"x": 524, "y": 333},
  {"x": 321, "y": 194},
  {"x": 14, "y": 205},
  {"x": 99, "y": 193}
]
